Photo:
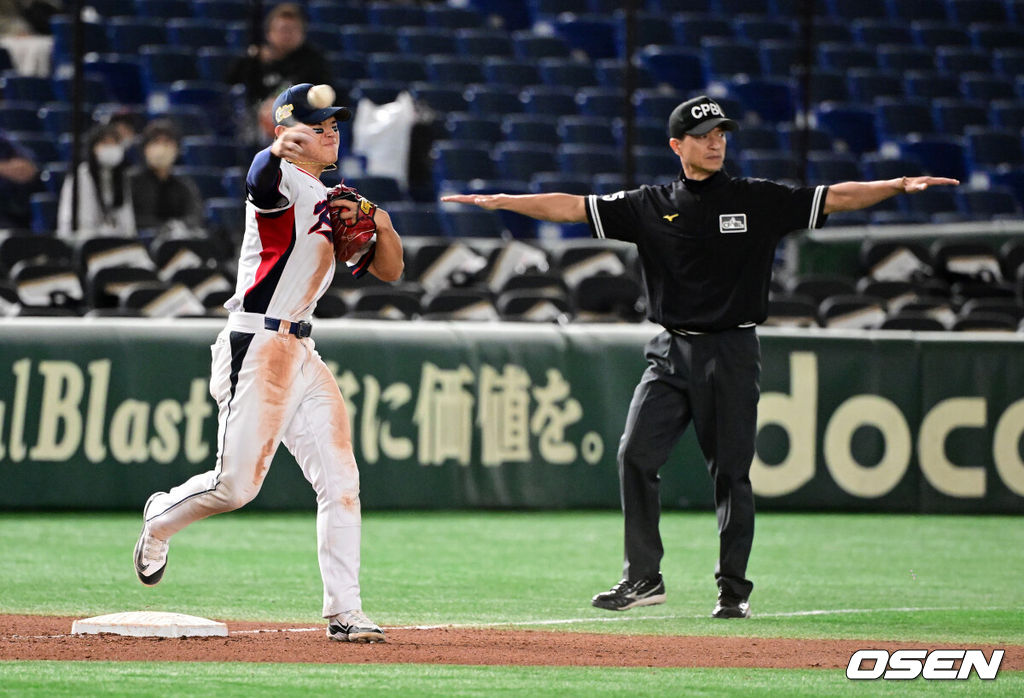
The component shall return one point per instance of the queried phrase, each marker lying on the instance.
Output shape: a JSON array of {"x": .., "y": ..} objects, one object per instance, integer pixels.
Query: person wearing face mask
[
  {"x": 163, "y": 200},
  {"x": 104, "y": 198}
]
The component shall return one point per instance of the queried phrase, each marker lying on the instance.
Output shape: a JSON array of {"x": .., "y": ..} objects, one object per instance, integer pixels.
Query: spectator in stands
[
  {"x": 285, "y": 58},
  {"x": 104, "y": 197},
  {"x": 19, "y": 177},
  {"x": 162, "y": 200}
]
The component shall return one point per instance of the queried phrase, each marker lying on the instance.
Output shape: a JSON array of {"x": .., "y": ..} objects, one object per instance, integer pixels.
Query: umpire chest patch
[{"x": 732, "y": 223}]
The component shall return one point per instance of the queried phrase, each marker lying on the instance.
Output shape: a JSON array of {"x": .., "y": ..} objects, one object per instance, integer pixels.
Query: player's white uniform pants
[{"x": 270, "y": 388}]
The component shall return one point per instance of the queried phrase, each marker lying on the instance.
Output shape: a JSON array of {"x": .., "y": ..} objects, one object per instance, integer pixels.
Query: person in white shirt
[{"x": 104, "y": 194}]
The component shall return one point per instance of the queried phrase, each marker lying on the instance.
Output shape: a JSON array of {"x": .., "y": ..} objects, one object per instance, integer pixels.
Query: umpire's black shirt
[{"x": 707, "y": 246}]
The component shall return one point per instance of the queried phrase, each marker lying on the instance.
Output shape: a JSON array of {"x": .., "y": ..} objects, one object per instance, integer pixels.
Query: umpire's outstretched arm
[
  {"x": 853, "y": 196},
  {"x": 557, "y": 208}
]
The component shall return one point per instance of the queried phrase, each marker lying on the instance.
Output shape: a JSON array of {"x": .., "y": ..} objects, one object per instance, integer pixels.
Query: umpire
[{"x": 706, "y": 244}]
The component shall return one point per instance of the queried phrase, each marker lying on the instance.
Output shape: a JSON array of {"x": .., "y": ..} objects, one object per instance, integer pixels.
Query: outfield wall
[{"x": 97, "y": 414}]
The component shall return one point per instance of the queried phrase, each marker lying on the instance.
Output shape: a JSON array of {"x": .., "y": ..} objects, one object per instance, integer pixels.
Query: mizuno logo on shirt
[
  {"x": 671, "y": 217},
  {"x": 732, "y": 223}
]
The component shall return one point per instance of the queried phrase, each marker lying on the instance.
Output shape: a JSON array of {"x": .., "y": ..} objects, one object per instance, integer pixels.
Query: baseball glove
[{"x": 351, "y": 236}]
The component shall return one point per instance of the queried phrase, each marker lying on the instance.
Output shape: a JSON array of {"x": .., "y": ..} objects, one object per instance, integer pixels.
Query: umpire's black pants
[{"x": 713, "y": 380}]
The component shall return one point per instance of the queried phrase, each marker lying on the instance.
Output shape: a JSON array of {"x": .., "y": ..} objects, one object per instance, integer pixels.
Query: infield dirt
[{"x": 49, "y": 637}]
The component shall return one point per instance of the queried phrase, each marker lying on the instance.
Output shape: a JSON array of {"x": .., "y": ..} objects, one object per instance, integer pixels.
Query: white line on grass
[{"x": 598, "y": 619}]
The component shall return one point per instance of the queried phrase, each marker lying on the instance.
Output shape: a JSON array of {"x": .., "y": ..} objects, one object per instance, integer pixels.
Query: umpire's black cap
[
  {"x": 697, "y": 116},
  {"x": 291, "y": 107}
]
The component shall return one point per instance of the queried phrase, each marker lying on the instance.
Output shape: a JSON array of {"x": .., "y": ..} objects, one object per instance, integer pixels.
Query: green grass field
[{"x": 952, "y": 579}]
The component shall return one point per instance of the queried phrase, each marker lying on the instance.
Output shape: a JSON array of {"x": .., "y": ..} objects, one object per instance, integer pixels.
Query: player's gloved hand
[{"x": 352, "y": 233}]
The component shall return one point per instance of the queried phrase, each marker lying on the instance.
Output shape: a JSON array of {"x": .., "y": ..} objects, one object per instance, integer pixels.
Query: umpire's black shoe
[
  {"x": 731, "y": 607},
  {"x": 627, "y": 594}
]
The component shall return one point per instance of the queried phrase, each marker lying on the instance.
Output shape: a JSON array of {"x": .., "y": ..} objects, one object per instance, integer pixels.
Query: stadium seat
[
  {"x": 988, "y": 204},
  {"x": 930, "y": 202},
  {"x": 451, "y": 17},
  {"x": 493, "y": 100},
  {"x": 377, "y": 91},
  {"x": 608, "y": 298},
  {"x": 511, "y": 71},
  {"x": 1007, "y": 62},
  {"x": 588, "y": 160},
  {"x": 592, "y": 34},
  {"x": 611, "y": 73},
  {"x": 777, "y": 165},
  {"x": 853, "y": 311},
  {"x": 954, "y": 116},
  {"x": 387, "y": 302},
  {"x": 466, "y": 222},
  {"x": 826, "y": 167},
  {"x": 902, "y": 58},
  {"x": 586, "y": 130},
  {"x": 851, "y": 124},
  {"x": 791, "y": 137},
  {"x": 772, "y": 99},
  {"x": 779, "y": 57},
  {"x": 752, "y": 137},
  {"x": 389, "y": 14},
  {"x": 678, "y": 67},
  {"x": 511, "y": 16},
  {"x": 831, "y": 29},
  {"x": 122, "y": 76},
  {"x": 932, "y": 33},
  {"x": 836, "y": 55},
  {"x": 963, "y": 59},
  {"x": 931, "y": 85},
  {"x": 1010, "y": 177},
  {"x": 876, "y": 31},
  {"x": 544, "y": 99},
  {"x": 965, "y": 12},
  {"x": 912, "y": 320},
  {"x": 415, "y": 219},
  {"x": 462, "y": 161},
  {"x": 605, "y": 102},
  {"x": 545, "y": 182},
  {"x": 898, "y": 118},
  {"x": 465, "y": 126},
  {"x": 559, "y": 72},
  {"x": 454, "y": 69},
  {"x": 420, "y": 42},
  {"x": 655, "y": 163},
  {"x": 534, "y": 305},
  {"x": 996, "y": 36},
  {"x": 481, "y": 43},
  {"x": 866, "y": 85},
  {"x": 22, "y": 116},
  {"x": 761, "y": 28},
  {"x": 45, "y": 249},
  {"x": 211, "y": 151},
  {"x": 884, "y": 166},
  {"x": 25, "y": 88},
  {"x": 194, "y": 33},
  {"x": 982, "y": 87},
  {"x": 532, "y": 47},
  {"x": 984, "y": 322},
  {"x": 521, "y": 161},
  {"x": 789, "y": 310},
  {"x": 690, "y": 27},
  {"x": 990, "y": 148},
  {"x": 395, "y": 66},
  {"x": 965, "y": 260},
  {"x": 919, "y": 9},
  {"x": 221, "y": 10},
  {"x": 824, "y": 86},
  {"x": 723, "y": 59},
  {"x": 162, "y": 65},
  {"x": 655, "y": 104},
  {"x": 529, "y": 129},
  {"x": 849, "y": 10},
  {"x": 94, "y": 37},
  {"x": 41, "y": 145},
  {"x": 444, "y": 99},
  {"x": 941, "y": 156},
  {"x": 378, "y": 188},
  {"x": 820, "y": 286}
]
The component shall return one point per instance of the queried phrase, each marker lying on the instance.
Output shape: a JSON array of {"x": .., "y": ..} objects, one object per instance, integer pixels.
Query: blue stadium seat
[
  {"x": 205, "y": 94},
  {"x": 852, "y": 124},
  {"x": 55, "y": 117},
  {"x": 545, "y": 99},
  {"x": 866, "y": 85},
  {"x": 391, "y": 14},
  {"x": 348, "y": 67},
  {"x": 1015, "y": 8},
  {"x": 752, "y": 137},
  {"x": 969, "y": 11},
  {"x": 825, "y": 85},
  {"x": 723, "y": 58},
  {"x": 986, "y": 87},
  {"x": 900, "y": 58},
  {"x": 454, "y": 69},
  {"x": 511, "y": 16},
  {"x": 605, "y": 102},
  {"x": 1007, "y": 62},
  {"x": 121, "y": 74},
  {"x": 772, "y": 99},
  {"x": 210, "y": 151},
  {"x": 221, "y": 10},
  {"x": 918, "y": 9},
  {"x": 931, "y": 85},
  {"x": 463, "y": 126},
  {"x": 963, "y": 59},
  {"x": 378, "y": 188},
  {"x": 986, "y": 204},
  {"x": 425, "y": 41},
  {"x": 1008, "y": 114},
  {"x": 832, "y": 30},
  {"x": 511, "y": 71},
  {"x": 496, "y": 100},
  {"x": 848, "y": 10},
  {"x": 691, "y": 27},
  {"x": 941, "y": 156},
  {"x": 1012, "y": 178},
  {"x": 415, "y": 219},
  {"x": 586, "y": 130},
  {"x": 837, "y": 55},
  {"x": 651, "y": 29},
  {"x": 128, "y": 34},
  {"x": 94, "y": 37},
  {"x": 43, "y": 207},
  {"x": 545, "y": 182},
  {"x": 758, "y": 27},
  {"x": 462, "y": 161},
  {"x": 990, "y": 148},
  {"x": 739, "y": 7},
  {"x": 529, "y": 46},
  {"x": 655, "y": 104},
  {"x": 479, "y": 43},
  {"x": 214, "y": 62},
  {"x": 588, "y": 159},
  {"x": 195, "y": 33},
  {"x": 996, "y": 36},
  {"x": 377, "y": 91},
  {"x": 680, "y": 68},
  {"x": 548, "y": 10},
  {"x": 878, "y": 31},
  {"x": 779, "y": 57},
  {"x": 777, "y": 165},
  {"x": 955, "y": 115},
  {"x": 163, "y": 9},
  {"x": 190, "y": 119},
  {"x": 559, "y": 72},
  {"x": 395, "y": 66},
  {"x": 655, "y": 163},
  {"x": 529, "y": 128},
  {"x": 365, "y": 38},
  {"x": 209, "y": 181},
  {"x": 25, "y": 88},
  {"x": 932, "y": 33},
  {"x": 42, "y": 145},
  {"x": 22, "y": 116},
  {"x": 523, "y": 160},
  {"x": 791, "y": 136},
  {"x": 162, "y": 65},
  {"x": 826, "y": 167},
  {"x": 444, "y": 99},
  {"x": 900, "y": 117},
  {"x": 647, "y": 133},
  {"x": 450, "y": 17},
  {"x": 94, "y": 89},
  {"x": 592, "y": 34},
  {"x": 470, "y": 222}
]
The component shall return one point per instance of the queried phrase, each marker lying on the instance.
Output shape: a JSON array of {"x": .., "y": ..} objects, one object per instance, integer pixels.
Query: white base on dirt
[{"x": 150, "y": 624}]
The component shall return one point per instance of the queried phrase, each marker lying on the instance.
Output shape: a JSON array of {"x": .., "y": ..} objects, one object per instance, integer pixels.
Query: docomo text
[
  {"x": 797, "y": 413},
  {"x": 932, "y": 665}
]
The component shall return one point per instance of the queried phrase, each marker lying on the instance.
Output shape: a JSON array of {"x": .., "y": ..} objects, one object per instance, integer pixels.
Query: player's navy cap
[
  {"x": 291, "y": 108},
  {"x": 697, "y": 116}
]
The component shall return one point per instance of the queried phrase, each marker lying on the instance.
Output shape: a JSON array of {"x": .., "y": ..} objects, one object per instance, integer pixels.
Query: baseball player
[
  {"x": 270, "y": 384},
  {"x": 706, "y": 243}
]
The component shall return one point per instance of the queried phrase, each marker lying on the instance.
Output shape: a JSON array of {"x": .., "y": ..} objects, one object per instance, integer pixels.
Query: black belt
[{"x": 299, "y": 329}]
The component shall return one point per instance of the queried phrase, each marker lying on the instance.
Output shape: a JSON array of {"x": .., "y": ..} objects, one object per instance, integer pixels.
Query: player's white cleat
[
  {"x": 354, "y": 626},
  {"x": 150, "y": 552}
]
